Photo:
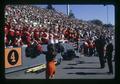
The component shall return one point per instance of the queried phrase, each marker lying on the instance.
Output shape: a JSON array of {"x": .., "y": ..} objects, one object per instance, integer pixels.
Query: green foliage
[
  {"x": 71, "y": 15},
  {"x": 97, "y": 22},
  {"x": 108, "y": 25},
  {"x": 50, "y": 7}
]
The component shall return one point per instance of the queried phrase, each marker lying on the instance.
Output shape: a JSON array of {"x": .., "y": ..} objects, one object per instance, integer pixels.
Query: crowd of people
[{"x": 25, "y": 24}]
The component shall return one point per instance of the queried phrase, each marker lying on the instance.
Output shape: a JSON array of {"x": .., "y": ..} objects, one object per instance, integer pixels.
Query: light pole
[
  {"x": 107, "y": 14},
  {"x": 68, "y": 8}
]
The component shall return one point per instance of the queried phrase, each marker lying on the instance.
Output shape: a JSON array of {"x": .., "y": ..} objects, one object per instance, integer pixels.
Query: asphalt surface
[{"x": 78, "y": 68}]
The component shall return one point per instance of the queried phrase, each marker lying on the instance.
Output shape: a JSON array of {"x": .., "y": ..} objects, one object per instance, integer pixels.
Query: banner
[{"x": 12, "y": 57}]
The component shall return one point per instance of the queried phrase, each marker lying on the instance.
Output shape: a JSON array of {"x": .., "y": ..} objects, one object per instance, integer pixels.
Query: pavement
[{"x": 78, "y": 68}]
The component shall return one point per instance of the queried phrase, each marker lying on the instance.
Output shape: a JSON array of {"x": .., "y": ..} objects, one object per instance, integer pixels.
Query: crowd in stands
[{"x": 27, "y": 24}]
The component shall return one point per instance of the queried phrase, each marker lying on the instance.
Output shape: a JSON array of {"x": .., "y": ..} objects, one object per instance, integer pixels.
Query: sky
[{"x": 89, "y": 12}]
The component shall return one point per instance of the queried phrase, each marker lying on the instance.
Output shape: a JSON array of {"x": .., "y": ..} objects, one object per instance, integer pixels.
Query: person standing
[
  {"x": 108, "y": 56},
  {"x": 50, "y": 61},
  {"x": 100, "y": 43}
]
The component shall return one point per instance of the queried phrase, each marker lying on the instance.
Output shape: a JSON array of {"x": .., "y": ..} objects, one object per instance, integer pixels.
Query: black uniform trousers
[
  {"x": 109, "y": 62},
  {"x": 101, "y": 58}
]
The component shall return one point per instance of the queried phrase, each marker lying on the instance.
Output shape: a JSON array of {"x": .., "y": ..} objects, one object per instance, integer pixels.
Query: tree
[
  {"x": 108, "y": 25},
  {"x": 71, "y": 15},
  {"x": 97, "y": 22},
  {"x": 50, "y": 7}
]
